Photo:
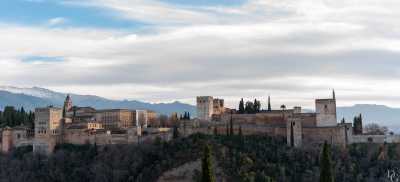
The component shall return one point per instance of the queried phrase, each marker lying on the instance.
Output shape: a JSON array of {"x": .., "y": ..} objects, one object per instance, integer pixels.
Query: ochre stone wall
[{"x": 333, "y": 135}]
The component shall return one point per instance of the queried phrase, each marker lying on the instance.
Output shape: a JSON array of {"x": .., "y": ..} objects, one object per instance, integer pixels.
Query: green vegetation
[
  {"x": 249, "y": 107},
  {"x": 326, "y": 167},
  {"x": 207, "y": 166},
  {"x": 12, "y": 117},
  {"x": 245, "y": 158}
]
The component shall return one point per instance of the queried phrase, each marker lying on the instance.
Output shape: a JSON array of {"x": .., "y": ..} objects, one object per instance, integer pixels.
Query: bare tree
[{"x": 375, "y": 129}]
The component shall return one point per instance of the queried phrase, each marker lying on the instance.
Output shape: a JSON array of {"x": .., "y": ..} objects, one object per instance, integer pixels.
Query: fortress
[
  {"x": 297, "y": 127},
  {"x": 81, "y": 125}
]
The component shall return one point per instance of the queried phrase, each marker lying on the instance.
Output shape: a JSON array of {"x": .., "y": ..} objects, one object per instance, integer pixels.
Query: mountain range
[{"x": 29, "y": 98}]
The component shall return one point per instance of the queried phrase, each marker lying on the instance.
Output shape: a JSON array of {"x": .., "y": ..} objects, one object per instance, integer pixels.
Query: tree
[
  {"x": 249, "y": 108},
  {"x": 241, "y": 106},
  {"x": 375, "y": 129},
  {"x": 240, "y": 131},
  {"x": 206, "y": 166},
  {"x": 269, "y": 104},
  {"x": 257, "y": 106},
  {"x": 326, "y": 173},
  {"x": 357, "y": 125},
  {"x": 283, "y": 107}
]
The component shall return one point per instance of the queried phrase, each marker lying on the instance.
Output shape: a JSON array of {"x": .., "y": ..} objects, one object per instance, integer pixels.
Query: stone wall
[
  {"x": 316, "y": 135},
  {"x": 375, "y": 139}
]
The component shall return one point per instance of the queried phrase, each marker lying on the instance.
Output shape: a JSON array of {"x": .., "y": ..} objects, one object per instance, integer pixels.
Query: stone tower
[
  {"x": 205, "y": 107},
  {"x": 67, "y": 105},
  {"x": 326, "y": 111},
  {"x": 7, "y": 140}
]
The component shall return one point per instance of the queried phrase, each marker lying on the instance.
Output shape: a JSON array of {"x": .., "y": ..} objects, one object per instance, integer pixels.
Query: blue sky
[
  {"x": 167, "y": 50},
  {"x": 40, "y": 12}
]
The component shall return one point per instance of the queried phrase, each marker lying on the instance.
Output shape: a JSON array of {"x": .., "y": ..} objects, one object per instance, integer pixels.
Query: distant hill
[
  {"x": 380, "y": 114},
  {"x": 29, "y": 98}
]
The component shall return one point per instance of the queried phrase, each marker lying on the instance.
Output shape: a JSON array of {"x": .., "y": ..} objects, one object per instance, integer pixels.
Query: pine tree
[
  {"x": 206, "y": 166},
  {"x": 241, "y": 106},
  {"x": 326, "y": 173}
]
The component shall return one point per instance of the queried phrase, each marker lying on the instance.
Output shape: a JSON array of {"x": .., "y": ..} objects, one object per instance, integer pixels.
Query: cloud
[
  {"x": 56, "y": 21},
  {"x": 294, "y": 50}
]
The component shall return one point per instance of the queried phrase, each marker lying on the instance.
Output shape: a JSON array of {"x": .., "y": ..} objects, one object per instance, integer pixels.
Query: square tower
[
  {"x": 218, "y": 105},
  {"x": 47, "y": 121},
  {"x": 326, "y": 112},
  {"x": 204, "y": 107}
]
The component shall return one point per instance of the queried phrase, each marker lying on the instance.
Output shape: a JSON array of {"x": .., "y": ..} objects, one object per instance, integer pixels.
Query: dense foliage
[
  {"x": 325, "y": 165},
  {"x": 207, "y": 166},
  {"x": 14, "y": 117},
  {"x": 241, "y": 158},
  {"x": 249, "y": 107}
]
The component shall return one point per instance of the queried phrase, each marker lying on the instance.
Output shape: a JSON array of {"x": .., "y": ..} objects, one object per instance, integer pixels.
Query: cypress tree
[
  {"x": 326, "y": 173},
  {"x": 206, "y": 166},
  {"x": 241, "y": 106},
  {"x": 240, "y": 131},
  {"x": 231, "y": 127},
  {"x": 269, "y": 104}
]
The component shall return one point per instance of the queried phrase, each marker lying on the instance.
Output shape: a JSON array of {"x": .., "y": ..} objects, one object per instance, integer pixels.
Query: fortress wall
[
  {"x": 375, "y": 139},
  {"x": 333, "y": 135},
  {"x": 275, "y": 118},
  {"x": 308, "y": 119}
]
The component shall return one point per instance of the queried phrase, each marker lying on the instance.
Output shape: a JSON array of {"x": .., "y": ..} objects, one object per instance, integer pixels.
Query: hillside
[{"x": 240, "y": 158}]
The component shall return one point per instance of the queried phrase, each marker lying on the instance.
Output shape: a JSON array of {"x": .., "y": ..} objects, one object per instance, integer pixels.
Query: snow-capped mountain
[
  {"x": 33, "y": 91},
  {"x": 30, "y": 98}
]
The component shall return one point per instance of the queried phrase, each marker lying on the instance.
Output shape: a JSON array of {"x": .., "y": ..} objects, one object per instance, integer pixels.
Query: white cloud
[
  {"x": 57, "y": 21},
  {"x": 295, "y": 50}
]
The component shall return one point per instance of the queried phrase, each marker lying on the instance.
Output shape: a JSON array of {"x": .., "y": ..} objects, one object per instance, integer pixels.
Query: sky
[{"x": 167, "y": 50}]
